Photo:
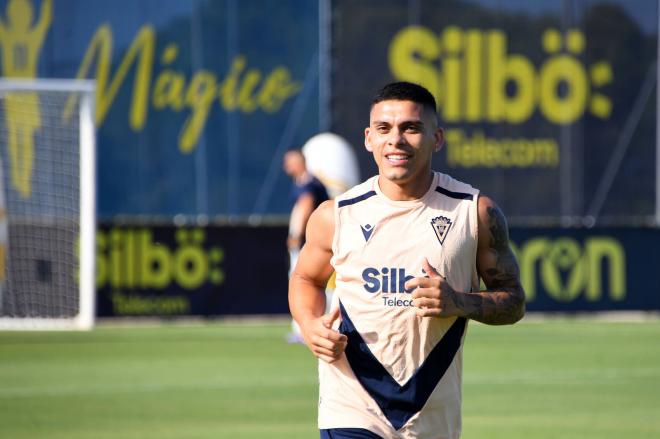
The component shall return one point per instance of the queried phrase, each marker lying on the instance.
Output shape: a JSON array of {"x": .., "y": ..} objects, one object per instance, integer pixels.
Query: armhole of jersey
[
  {"x": 475, "y": 215},
  {"x": 335, "y": 235}
]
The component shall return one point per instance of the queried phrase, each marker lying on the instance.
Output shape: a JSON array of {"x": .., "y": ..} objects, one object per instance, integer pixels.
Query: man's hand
[
  {"x": 433, "y": 297},
  {"x": 324, "y": 342}
]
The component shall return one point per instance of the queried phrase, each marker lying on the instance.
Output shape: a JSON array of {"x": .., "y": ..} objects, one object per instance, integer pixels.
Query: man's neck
[
  {"x": 303, "y": 178},
  {"x": 408, "y": 191}
]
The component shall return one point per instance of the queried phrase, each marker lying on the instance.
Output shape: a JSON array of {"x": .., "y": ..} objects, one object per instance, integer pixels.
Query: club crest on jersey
[
  {"x": 441, "y": 226},
  {"x": 367, "y": 230}
]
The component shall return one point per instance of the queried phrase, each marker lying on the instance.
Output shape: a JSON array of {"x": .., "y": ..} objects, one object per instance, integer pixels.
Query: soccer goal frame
[{"x": 84, "y": 91}]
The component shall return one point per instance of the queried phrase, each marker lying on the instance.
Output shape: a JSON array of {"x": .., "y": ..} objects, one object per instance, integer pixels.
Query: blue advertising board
[
  {"x": 548, "y": 106},
  {"x": 580, "y": 270},
  {"x": 196, "y": 100},
  {"x": 219, "y": 270},
  {"x": 165, "y": 270}
]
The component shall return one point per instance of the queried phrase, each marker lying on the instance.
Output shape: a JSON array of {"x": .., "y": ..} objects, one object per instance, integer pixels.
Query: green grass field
[{"x": 556, "y": 379}]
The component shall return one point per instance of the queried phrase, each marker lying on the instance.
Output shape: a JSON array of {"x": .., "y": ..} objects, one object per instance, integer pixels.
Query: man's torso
[{"x": 401, "y": 374}]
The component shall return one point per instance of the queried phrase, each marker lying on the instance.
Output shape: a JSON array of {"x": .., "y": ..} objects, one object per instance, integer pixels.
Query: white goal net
[{"x": 47, "y": 204}]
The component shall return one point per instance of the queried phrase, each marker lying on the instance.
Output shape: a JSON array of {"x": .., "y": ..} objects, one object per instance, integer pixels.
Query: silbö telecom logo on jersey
[{"x": 390, "y": 282}]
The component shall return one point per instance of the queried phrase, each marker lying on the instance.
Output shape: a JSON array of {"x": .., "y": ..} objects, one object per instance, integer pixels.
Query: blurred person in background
[
  {"x": 409, "y": 247},
  {"x": 307, "y": 193}
]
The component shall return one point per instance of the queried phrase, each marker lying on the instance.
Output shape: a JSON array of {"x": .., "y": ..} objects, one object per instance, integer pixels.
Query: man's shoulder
[
  {"x": 357, "y": 193},
  {"x": 323, "y": 218},
  {"x": 450, "y": 185}
]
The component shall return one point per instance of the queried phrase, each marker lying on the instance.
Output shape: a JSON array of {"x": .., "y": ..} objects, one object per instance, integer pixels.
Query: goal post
[{"x": 47, "y": 204}]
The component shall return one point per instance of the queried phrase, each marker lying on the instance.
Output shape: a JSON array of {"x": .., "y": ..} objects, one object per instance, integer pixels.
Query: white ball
[{"x": 332, "y": 160}]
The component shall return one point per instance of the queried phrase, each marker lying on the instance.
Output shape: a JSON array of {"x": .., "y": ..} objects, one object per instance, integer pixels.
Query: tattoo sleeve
[{"x": 503, "y": 302}]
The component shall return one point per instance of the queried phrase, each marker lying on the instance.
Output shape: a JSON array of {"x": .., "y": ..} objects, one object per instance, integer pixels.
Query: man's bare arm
[
  {"x": 503, "y": 302},
  {"x": 307, "y": 284}
]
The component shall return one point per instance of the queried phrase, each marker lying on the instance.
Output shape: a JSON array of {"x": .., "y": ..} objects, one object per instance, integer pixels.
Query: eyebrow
[{"x": 405, "y": 122}]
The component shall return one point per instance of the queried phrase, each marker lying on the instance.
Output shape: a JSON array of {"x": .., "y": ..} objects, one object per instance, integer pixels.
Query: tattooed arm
[{"x": 502, "y": 303}]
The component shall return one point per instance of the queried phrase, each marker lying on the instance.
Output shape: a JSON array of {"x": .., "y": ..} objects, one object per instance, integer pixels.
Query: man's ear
[
  {"x": 367, "y": 142},
  {"x": 439, "y": 139}
]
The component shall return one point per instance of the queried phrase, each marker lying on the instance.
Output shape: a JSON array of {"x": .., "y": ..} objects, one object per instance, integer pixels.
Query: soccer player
[
  {"x": 307, "y": 193},
  {"x": 409, "y": 246}
]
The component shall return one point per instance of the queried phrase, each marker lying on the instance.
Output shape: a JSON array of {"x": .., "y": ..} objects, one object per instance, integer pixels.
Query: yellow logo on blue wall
[
  {"x": 242, "y": 88},
  {"x": 567, "y": 270},
  {"x": 476, "y": 80},
  {"x": 21, "y": 43}
]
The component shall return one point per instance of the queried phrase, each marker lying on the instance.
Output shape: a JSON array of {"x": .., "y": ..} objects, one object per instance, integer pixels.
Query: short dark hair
[{"x": 406, "y": 91}]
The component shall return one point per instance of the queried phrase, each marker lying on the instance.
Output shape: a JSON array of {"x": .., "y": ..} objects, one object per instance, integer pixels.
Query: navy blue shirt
[{"x": 312, "y": 186}]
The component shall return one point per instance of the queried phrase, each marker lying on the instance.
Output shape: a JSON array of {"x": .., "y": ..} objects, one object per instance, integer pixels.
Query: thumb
[
  {"x": 330, "y": 317},
  {"x": 430, "y": 271}
]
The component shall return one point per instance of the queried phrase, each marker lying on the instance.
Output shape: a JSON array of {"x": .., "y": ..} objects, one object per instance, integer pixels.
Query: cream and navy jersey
[{"x": 400, "y": 376}]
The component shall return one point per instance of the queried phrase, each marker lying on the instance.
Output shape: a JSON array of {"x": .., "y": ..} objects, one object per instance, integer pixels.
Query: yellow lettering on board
[
  {"x": 242, "y": 89},
  {"x": 140, "y": 54}
]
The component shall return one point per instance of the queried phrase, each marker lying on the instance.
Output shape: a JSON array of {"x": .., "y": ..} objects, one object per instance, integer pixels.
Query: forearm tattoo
[{"x": 504, "y": 300}]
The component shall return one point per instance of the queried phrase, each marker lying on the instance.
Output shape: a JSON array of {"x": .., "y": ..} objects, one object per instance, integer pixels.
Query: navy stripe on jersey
[
  {"x": 457, "y": 195},
  {"x": 399, "y": 403},
  {"x": 348, "y": 433},
  {"x": 357, "y": 199}
]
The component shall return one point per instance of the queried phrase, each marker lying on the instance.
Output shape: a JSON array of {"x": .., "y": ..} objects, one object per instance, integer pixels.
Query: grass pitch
[{"x": 556, "y": 379}]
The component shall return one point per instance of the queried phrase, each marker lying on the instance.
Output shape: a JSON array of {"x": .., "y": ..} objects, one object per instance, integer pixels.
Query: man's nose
[{"x": 396, "y": 137}]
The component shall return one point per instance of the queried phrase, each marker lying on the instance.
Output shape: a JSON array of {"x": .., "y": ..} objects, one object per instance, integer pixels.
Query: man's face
[
  {"x": 402, "y": 139},
  {"x": 293, "y": 164}
]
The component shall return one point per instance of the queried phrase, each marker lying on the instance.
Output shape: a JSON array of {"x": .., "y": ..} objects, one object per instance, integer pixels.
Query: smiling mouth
[{"x": 397, "y": 158}]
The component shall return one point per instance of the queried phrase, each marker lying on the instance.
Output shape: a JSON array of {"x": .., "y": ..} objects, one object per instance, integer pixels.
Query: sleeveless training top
[{"x": 400, "y": 376}]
